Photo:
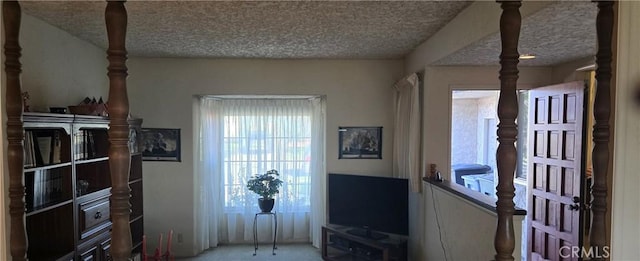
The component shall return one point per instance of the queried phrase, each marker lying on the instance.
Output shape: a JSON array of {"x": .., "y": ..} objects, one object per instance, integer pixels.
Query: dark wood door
[{"x": 555, "y": 171}]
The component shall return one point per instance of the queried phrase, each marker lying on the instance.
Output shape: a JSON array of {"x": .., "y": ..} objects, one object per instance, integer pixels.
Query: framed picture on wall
[
  {"x": 360, "y": 142},
  {"x": 160, "y": 144}
]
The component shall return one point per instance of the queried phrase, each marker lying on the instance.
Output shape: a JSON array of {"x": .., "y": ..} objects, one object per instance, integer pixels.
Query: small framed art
[
  {"x": 360, "y": 142},
  {"x": 160, "y": 144}
]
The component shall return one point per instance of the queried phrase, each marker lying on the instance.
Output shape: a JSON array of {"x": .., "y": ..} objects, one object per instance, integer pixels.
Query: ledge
[{"x": 474, "y": 197}]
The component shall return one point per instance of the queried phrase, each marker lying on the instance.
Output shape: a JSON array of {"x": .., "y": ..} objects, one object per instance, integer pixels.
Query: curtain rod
[{"x": 260, "y": 97}]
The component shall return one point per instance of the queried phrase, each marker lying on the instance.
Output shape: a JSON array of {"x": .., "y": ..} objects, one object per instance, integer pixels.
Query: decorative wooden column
[
  {"x": 119, "y": 155},
  {"x": 601, "y": 112},
  {"x": 510, "y": 20},
  {"x": 11, "y": 16}
]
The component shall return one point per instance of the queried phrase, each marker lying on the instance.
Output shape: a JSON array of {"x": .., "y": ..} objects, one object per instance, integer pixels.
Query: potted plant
[{"x": 266, "y": 185}]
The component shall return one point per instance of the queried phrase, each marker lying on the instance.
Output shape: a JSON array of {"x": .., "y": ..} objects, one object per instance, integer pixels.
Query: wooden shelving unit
[
  {"x": 68, "y": 187},
  {"x": 136, "y": 220}
]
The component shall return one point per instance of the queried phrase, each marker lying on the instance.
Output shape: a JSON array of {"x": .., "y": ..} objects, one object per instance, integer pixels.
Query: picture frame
[
  {"x": 360, "y": 142},
  {"x": 160, "y": 144}
]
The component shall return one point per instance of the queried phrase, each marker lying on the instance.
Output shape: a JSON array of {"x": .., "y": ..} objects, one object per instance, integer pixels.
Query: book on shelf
[
  {"x": 39, "y": 188},
  {"x": 56, "y": 147},
  {"x": 33, "y": 155},
  {"x": 36, "y": 155},
  {"x": 45, "y": 148},
  {"x": 79, "y": 145},
  {"x": 26, "y": 152},
  {"x": 29, "y": 151},
  {"x": 90, "y": 150},
  {"x": 85, "y": 145},
  {"x": 133, "y": 142}
]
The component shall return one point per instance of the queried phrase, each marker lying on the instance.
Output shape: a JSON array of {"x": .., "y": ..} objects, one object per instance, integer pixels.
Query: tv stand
[
  {"x": 367, "y": 233},
  {"x": 340, "y": 244}
]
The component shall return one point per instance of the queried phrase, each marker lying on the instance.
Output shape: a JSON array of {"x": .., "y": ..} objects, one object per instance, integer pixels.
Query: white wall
[
  {"x": 566, "y": 72},
  {"x": 463, "y": 144},
  {"x": 488, "y": 109},
  {"x": 161, "y": 91},
  {"x": 625, "y": 231},
  {"x": 58, "y": 68},
  {"x": 459, "y": 229}
]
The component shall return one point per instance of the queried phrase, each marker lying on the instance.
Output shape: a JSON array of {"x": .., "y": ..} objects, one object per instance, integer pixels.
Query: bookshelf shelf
[
  {"x": 47, "y": 208},
  {"x": 93, "y": 195},
  {"x": 136, "y": 219},
  {"x": 86, "y": 161},
  {"x": 135, "y": 181},
  {"x": 48, "y": 167}
]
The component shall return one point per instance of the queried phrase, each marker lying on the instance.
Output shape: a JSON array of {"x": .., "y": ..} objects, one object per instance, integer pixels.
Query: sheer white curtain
[
  {"x": 407, "y": 131},
  {"x": 242, "y": 136}
]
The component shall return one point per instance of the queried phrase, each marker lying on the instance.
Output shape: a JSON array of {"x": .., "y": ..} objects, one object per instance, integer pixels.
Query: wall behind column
[
  {"x": 161, "y": 91},
  {"x": 58, "y": 68}
]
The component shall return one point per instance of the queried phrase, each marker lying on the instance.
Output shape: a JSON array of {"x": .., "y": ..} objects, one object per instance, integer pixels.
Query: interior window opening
[{"x": 474, "y": 125}]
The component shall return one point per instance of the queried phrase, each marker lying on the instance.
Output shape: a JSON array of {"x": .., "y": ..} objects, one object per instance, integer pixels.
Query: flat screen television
[{"x": 369, "y": 204}]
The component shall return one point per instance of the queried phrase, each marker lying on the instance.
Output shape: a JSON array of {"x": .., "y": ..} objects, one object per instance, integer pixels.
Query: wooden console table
[{"x": 339, "y": 245}]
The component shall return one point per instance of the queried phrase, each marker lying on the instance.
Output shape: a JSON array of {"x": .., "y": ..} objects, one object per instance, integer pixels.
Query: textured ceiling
[
  {"x": 563, "y": 31},
  {"x": 262, "y": 29}
]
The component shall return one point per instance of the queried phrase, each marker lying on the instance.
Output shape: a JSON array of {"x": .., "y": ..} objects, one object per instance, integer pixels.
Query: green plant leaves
[{"x": 265, "y": 185}]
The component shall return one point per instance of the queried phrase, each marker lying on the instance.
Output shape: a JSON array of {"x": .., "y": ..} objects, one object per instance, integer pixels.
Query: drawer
[
  {"x": 105, "y": 250},
  {"x": 90, "y": 254},
  {"x": 94, "y": 217}
]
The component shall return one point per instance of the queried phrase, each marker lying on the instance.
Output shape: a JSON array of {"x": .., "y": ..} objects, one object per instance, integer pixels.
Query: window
[
  {"x": 250, "y": 136},
  {"x": 521, "y": 143},
  {"x": 241, "y": 136},
  {"x": 474, "y": 125},
  {"x": 256, "y": 143}
]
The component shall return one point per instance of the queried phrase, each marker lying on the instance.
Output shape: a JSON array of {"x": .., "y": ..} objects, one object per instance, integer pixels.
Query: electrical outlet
[{"x": 179, "y": 238}]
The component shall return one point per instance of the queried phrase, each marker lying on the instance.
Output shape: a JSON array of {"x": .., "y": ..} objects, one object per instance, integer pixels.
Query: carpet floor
[{"x": 284, "y": 252}]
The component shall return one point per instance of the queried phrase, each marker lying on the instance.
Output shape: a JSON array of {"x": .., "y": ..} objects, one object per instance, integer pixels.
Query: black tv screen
[{"x": 369, "y": 203}]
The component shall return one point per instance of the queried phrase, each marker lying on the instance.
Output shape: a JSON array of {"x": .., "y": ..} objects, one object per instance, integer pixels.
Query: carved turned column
[
  {"x": 601, "y": 112},
  {"x": 507, "y": 129},
  {"x": 119, "y": 155},
  {"x": 15, "y": 134}
]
